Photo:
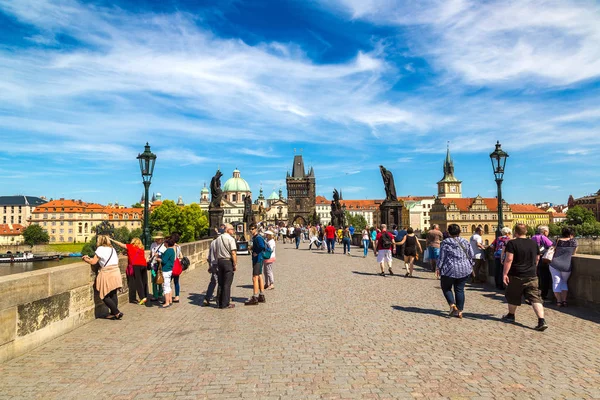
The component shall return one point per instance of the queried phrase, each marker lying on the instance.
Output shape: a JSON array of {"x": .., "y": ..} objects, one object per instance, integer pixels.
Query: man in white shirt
[
  {"x": 226, "y": 255},
  {"x": 284, "y": 232},
  {"x": 480, "y": 267}
]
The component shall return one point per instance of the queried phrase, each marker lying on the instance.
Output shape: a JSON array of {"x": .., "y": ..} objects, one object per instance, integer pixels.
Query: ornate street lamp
[
  {"x": 147, "y": 160},
  {"x": 498, "y": 158}
]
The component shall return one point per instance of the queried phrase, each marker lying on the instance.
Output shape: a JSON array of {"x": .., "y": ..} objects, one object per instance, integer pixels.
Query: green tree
[
  {"x": 358, "y": 221},
  {"x": 137, "y": 205},
  {"x": 193, "y": 223},
  {"x": 579, "y": 215},
  {"x": 122, "y": 235},
  {"x": 555, "y": 229},
  {"x": 90, "y": 247},
  {"x": 136, "y": 233},
  {"x": 166, "y": 217},
  {"x": 35, "y": 234}
]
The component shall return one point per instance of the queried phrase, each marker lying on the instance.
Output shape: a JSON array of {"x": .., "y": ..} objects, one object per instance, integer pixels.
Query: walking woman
[
  {"x": 168, "y": 259},
  {"x": 346, "y": 240},
  {"x": 268, "y": 263},
  {"x": 560, "y": 266},
  {"x": 175, "y": 278},
  {"x": 137, "y": 259},
  {"x": 454, "y": 268},
  {"x": 365, "y": 241},
  {"x": 373, "y": 238},
  {"x": 109, "y": 279},
  {"x": 411, "y": 246}
]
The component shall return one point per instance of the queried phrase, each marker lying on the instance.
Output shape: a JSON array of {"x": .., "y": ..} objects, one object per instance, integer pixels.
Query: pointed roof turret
[
  {"x": 298, "y": 167},
  {"x": 280, "y": 194},
  {"x": 449, "y": 168}
]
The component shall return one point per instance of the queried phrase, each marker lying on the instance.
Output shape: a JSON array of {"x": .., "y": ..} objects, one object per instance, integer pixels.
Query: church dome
[
  {"x": 204, "y": 190},
  {"x": 236, "y": 183},
  {"x": 274, "y": 196}
]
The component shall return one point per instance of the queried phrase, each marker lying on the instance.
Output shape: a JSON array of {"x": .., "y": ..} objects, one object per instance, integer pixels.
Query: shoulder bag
[{"x": 177, "y": 267}]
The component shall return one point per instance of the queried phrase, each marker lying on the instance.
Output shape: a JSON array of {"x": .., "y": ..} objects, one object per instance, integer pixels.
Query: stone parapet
[{"x": 38, "y": 306}]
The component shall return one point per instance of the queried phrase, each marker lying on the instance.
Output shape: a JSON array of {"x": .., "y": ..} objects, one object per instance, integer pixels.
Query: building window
[
  {"x": 12, "y": 219},
  {"x": 234, "y": 197},
  {"x": 12, "y": 209},
  {"x": 19, "y": 219},
  {"x": 19, "y": 209},
  {"x": 4, "y": 219},
  {"x": 45, "y": 216},
  {"x": 70, "y": 231}
]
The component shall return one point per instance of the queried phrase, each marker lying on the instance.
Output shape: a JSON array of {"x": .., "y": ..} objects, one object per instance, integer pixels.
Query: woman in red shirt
[{"x": 137, "y": 269}]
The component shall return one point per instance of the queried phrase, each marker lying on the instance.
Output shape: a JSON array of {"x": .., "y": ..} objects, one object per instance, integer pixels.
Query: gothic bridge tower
[{"x": 301, "y": 192}]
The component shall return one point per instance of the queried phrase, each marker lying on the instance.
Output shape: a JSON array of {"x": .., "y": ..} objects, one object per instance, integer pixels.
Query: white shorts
[
  {"x": 384, "y": 256},
  {"x": 167, "y": 283}
]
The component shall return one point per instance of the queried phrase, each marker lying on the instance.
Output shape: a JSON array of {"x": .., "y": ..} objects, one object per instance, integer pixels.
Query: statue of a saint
[
  {"x": 388, "y": 182},
  {"x": 248, "y": 214},
  {"x": 216, "y": 193}
]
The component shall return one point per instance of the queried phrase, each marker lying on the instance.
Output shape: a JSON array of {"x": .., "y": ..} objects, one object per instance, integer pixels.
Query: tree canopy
[
  {"x": 358, "y": 221},
  {"x": 189, "y": 221},
  {"x": 579, "y": 215},
  {"x": 35, "y": 234}
]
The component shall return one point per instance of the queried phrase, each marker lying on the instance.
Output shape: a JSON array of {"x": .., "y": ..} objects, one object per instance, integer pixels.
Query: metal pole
[
  {"x": 146, "y": 221},
  {"x": 500, "y": 215}
]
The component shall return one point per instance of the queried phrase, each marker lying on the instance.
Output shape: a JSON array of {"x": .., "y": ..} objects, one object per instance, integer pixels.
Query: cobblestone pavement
[{"x": 333, "y": 329}]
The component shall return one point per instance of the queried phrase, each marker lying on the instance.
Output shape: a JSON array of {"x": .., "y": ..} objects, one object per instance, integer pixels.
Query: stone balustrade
[{"x": 37, "y": 306}]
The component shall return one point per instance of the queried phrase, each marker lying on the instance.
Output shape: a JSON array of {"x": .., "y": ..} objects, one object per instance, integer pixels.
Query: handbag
[
  {"x": 129, "y": 270},
  {"x": 159, "y": 276},
  {"x": 547, "y": 259}
]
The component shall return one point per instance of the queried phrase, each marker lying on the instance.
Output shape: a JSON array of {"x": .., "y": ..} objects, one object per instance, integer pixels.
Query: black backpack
[{"x": 386, "y": 240}]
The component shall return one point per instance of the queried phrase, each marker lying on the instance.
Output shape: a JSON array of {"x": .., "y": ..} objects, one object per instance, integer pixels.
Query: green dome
[
  {"x": 236, "y": 184},
  {"x": 204, "y": 190},
  {"x": 274, "y": 196}
]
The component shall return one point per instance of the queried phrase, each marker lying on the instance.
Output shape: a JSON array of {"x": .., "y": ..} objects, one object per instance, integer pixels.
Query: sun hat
[
  {"x": 158, "y": 235},
  {"x": 269, "y": 233}
]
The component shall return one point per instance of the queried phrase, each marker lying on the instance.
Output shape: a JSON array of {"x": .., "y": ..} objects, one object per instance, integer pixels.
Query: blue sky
[{"x": 353, "y": 83}]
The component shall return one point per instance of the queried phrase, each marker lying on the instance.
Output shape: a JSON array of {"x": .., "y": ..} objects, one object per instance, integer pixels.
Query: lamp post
[
  {"x": 498, "y": 158},
  {"x": 147, "y": 160}
]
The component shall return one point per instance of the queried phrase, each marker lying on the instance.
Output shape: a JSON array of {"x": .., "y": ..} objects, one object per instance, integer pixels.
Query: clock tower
[{"x": 449, "y": 187}]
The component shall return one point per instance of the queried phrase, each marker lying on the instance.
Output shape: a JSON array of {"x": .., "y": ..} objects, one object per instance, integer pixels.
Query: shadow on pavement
[
  {"x": 396, "y": 275},
  {"x": 466, "y": 315},
  {"x": 246, "y": 286}
]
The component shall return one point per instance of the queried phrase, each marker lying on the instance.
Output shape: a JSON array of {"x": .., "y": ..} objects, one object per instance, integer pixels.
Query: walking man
[
  {"x": 434, "y": 238},
  {"x": 383, "y": 245},
  {"x": 258, "y": 282},
  {"x": 284, "y": 232},
  {"x": 520, "y": 278},
  {"x": 479, "y": 270},
  {"x": 156, "y": 250},
  {"x": 330, "y": 234},
  {"x": 226, "y": 254}
]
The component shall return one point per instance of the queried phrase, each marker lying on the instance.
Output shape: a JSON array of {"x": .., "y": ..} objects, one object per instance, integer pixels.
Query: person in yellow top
[{"x": 340, "y": 235}]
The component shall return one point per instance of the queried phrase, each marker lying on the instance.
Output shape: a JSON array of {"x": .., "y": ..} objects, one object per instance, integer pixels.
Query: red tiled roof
[
  {"x": 416, "y": 198},
  {"x": 17, "y": 229},
  {"x": 322, "y": 200},
  {"x": 526, "y": 209},
  {"x": 464, "y": 203}
]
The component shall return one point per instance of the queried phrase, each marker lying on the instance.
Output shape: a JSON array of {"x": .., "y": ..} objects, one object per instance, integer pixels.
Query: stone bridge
[{"x": 332, "y": 328}]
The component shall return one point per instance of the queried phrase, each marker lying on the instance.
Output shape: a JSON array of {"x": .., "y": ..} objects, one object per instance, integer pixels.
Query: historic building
[
  {"x": 73, "y": 221},
  {"x": 449, "y": 187},
  {"x": 530, "y": 215},
  {"x": 419, "y": 210},
  {"x": 69, "y": 221},
  {"x": 301, "y": 193},
  {"x": 591, "y": 202},
  {"x": 235, "y": 191},
  {"x": 11, "y": 234},
  {"x": 18, "y": 209},
  {"x": 450, "y": 207},
  {"x": 368, "y": 209}
]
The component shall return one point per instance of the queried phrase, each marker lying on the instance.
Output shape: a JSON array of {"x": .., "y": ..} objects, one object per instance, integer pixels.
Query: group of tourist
[
  {"x": 223, "y": 260},
  {"x": 164, "y": 253}
]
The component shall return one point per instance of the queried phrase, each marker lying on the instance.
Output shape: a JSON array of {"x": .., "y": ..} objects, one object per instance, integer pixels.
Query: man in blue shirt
[
  {"x": 258, "y": 283},
  {"x": 351, "y": 229}
]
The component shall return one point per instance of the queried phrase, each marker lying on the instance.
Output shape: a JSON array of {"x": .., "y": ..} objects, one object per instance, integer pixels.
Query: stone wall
[{"x": 38, "y": 306}]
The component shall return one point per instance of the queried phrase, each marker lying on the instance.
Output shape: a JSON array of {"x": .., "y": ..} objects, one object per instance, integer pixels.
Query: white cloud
[{"x": 554, "y": 41}]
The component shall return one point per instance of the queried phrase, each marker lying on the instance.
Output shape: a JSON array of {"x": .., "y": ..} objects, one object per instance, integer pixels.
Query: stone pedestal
[
  {"x": 391, "y": 213},
  {"x": 215, "y": 216}
]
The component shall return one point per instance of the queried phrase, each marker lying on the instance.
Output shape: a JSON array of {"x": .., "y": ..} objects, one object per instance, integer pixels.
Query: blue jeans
[
  {"x": 330, "y": 245},
  {"x": 346, "y": 244},
  {"x": 365, "y": 246},
  {"x": 297, "y": 241},
  {"x": 447, "y": 283},
  {"x": 176, "y": 283}
]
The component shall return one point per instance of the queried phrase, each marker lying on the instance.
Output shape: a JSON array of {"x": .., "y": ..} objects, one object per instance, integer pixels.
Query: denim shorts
[{"x": 434, "y": 253}]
